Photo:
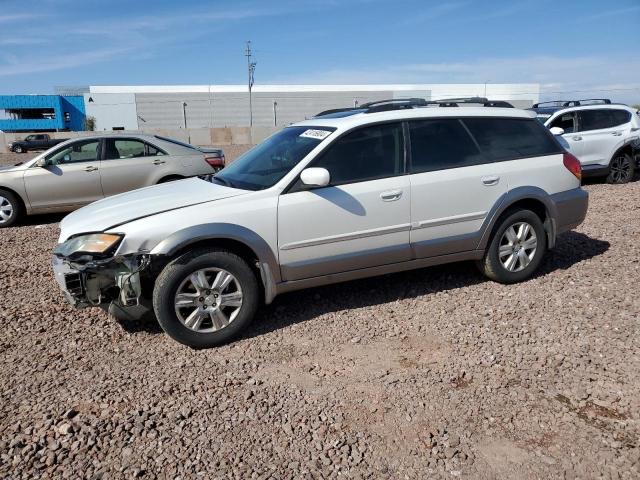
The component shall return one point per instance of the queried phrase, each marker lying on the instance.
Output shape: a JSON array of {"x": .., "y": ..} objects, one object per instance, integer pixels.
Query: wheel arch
[
  {"x": 240, "y": 240},
  {"x": 530, "y": 198}
]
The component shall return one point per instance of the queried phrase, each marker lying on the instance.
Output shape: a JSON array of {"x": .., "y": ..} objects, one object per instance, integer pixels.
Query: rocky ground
[{"x": 435, "y": 373}]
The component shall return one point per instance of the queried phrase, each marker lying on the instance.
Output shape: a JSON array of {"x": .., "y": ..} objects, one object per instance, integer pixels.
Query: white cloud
[{"x": 615, "y": 76}]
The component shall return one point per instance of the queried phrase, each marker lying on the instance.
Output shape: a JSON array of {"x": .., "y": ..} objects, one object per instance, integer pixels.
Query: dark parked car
[{"x": 39, "y": 141}]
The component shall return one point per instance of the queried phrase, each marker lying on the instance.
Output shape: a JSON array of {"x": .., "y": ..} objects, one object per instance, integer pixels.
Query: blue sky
[{"x": 567, "y": 46}]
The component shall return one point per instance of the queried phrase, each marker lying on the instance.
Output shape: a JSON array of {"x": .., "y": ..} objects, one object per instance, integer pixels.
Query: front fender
[{"x": 269, "y": 269}]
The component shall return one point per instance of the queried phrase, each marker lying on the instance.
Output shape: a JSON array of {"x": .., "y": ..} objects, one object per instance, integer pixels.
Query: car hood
[
  {"x": 126, "y": 207},
  {"x": 12, "y": 168}
]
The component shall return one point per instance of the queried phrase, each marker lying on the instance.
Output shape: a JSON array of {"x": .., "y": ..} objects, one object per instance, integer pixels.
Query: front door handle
[
  {"x": 391, "y": 195},
  {"x": 577, "y": 138},
  {"x": 90, "y": 168},
  {"x": 491, "y": 180},
  {"x": 158, "y": 162},
  {"x": 617, "y": 134}
]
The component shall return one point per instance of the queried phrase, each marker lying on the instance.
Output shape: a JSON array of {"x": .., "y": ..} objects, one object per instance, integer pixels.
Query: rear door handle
[
  {"x": 90, "y": 168},
  {"x": 577, "y": 139},
  {"x": 491, "y": 180},
  {"x": 616, "y": 134},
  {"x": 158, "y": 162},
  {"x": 391, "y": 195}
]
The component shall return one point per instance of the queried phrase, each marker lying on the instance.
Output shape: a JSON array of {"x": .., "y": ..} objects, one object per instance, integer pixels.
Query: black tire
[
  {"x": 18, "y": 149},
  {"x": 492, "y": 266},
  {"x": 622, "y": 169},
  {"x": 177, "y": 271},
  {"x": 9, "y": 202}
]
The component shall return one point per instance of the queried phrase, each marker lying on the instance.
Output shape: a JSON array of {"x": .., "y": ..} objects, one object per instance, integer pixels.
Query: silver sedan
[{"x": 83, "y": 170}]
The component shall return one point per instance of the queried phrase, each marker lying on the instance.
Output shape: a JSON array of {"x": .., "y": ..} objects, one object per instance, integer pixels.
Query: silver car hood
[{"x": 126, "y": 207}]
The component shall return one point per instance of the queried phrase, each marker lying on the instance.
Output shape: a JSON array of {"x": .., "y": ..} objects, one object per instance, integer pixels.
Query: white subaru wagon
[{"x": 352, "y": 193}]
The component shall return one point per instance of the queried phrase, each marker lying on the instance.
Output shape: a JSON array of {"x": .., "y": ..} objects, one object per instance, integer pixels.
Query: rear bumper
[
  {"x": 595, "y": 170},
  {"x": 571, "y": 207}
]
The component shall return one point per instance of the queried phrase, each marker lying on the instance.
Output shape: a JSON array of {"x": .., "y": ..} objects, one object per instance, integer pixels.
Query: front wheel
[
  {"x": 18, "y": 149},
  {"x": 205, "y": 298},
  {"x": 621, "y": 169},
  {"x": 10, "y": 209},
  {"x": 516, "y": 247}
]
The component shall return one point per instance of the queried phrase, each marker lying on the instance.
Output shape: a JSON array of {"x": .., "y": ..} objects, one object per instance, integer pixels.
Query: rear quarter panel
[{"x": 547, "y": 173}]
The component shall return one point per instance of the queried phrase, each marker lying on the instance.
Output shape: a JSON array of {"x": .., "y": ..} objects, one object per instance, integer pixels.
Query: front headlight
[{"x": 94, "y": 243}]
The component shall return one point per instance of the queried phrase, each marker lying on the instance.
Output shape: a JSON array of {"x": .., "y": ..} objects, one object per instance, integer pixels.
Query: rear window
[
  {"x": 176, "y": 142},
  {"x": 620, "y": 117},
  {"x": 602, "y": 118},
  {"x": 502, "y": 139}
]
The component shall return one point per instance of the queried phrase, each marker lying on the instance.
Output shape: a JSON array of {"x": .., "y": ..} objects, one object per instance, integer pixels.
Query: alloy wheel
[
  {"x": 6, "y": 210},
  {"x": 620, "y": 169},
  {"x": 518, "y": 246},
  {"x": 208, "y": 300}
]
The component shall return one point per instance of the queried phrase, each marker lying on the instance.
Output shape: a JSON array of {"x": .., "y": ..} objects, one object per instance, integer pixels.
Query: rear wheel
[
  {"x": 621, "y": 169},
  {"x": 10, "y": 209},
  {"x": 206, "y": 298},
  {"x": 516, "y": 248}
]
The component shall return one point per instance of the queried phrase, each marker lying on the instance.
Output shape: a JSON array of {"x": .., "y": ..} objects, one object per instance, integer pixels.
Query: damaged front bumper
[{"x": 96, "y": 282}]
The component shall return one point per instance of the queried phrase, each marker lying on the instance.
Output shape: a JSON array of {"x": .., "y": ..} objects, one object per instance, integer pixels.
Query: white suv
[
  {"x": 386, "y": 187},
  {"x": 601, "y": 135}
]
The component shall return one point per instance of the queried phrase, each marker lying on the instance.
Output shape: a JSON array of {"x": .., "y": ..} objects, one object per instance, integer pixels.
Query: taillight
[
  {"x": 572, "y": 164},
  {"x": 215, "y": 162}
]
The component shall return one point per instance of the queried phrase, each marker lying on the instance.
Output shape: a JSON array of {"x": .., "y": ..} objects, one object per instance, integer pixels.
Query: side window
[
  {"x": 595, "y": 119},
  {"x": 502, "y": 139},
  {"x": 76, "y": 152},
  {"x": 124, "y": 148},
  {"x": 566, "y": 121},
  {"x": 620, "y": 117},
  {"x": 365, "y": 154},
  {"x": 440, "y": 144},
  {"x": 154, "y": 151}
]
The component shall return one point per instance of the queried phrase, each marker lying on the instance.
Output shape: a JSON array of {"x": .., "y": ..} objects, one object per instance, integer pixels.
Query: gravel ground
[{"x": 435, "y": 373}]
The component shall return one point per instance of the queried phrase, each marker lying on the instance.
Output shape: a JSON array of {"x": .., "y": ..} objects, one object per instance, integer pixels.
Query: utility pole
[
  {"x": 184, "y": 114},
  {"x": 251, "y": 67}
]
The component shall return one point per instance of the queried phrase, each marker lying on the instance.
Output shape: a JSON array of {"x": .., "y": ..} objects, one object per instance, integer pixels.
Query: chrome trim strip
[
  {"x": 347, "y": 236},
  {"x": 466, "y": 217}
]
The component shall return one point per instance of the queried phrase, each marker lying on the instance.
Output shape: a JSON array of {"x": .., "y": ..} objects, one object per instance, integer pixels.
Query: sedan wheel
[
  {"x": 6, "y": 210},
  {"x": 208, "y": 300},
  {"x": 17, "y": 149}
]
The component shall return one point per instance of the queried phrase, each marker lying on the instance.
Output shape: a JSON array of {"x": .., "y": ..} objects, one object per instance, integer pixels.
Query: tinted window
[
  {"x": 620, "y": 117},
  {"x": 123, "y": 148},
  {"x": 366, "y": 154},
  {"x": 440, "y": 144},
  {"x": 154, "y": 151},
  {"x": 566, "y": 121},
  {"x": 595, "y": 119},
  {"x": 76, "y": 152},
  {"x": 510, "y": 138}
]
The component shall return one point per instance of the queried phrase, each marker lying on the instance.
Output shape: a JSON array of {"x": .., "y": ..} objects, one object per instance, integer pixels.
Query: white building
[{"x": 216, "y": 106}]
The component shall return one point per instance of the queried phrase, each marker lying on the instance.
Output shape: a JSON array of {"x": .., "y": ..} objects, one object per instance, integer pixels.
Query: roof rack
[
  {"x": 409, "y": 103},
  {"x": 574, "y": 103}
]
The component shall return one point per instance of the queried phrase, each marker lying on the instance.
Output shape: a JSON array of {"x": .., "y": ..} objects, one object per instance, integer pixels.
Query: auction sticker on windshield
[{"x": 317, "y": 134}]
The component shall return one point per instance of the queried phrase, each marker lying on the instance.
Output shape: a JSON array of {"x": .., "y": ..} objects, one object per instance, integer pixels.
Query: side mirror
[
  {"x": 42, "y": 162},
  {"x": 315, "y": 177},
  {"x": 557, "y": 130}
]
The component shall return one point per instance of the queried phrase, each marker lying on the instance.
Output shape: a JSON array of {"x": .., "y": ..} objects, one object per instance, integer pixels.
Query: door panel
[
  {"x": 448, "y": 207},
  {"x": 600, "y": 138},
  {"x": 126, "y": 166},
  {"x": 335, "y": 229},
  {"x": 70, "y": 180}
]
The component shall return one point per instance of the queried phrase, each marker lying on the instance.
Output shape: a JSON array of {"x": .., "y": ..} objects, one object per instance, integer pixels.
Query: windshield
[{"x": 265, "y": 164}]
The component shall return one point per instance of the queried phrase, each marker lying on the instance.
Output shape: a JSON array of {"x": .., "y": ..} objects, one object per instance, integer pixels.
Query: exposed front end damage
[{"x": 89, "y": 282}]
